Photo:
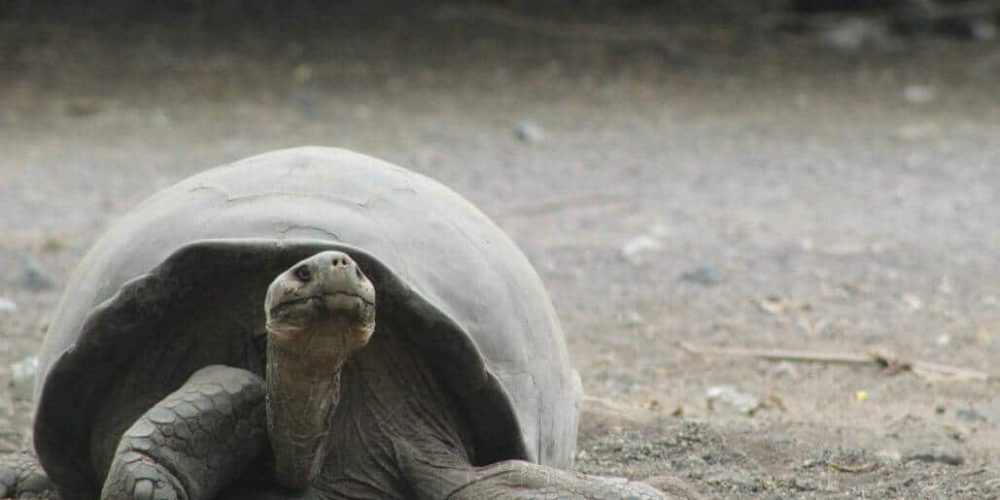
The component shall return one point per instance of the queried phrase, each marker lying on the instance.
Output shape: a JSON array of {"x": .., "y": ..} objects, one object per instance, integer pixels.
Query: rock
[
  {"x": 919, "y": 94},
  {"x": 529, "y": 132},
  {"x": 693, "y": 462},
  {"x": 726, "y": 399},
  {"x": 890, "y": 456},
  {"x": 785, "y": 369},
  {"x": 635, "y": 248},
  {"x": 970, "y": 415},
  {"x": 22, "y": 378},
  {"x": 983, "y": 29},
  {"x": 805, "y": 484},
  {"x": 7, "y": 305},
  {"x": 852, "y": 34},
  {"x": 733, "y": 480},
  {"x": 34, "y": 277},
  {"x": 937, "y": 455},
  {"x": 706, "y": 275}
]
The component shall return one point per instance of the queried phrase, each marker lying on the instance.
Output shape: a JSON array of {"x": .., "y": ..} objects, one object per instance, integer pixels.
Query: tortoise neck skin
[
  {"x": 319, "y": 313},
  {"x": 303, "y": 389}
]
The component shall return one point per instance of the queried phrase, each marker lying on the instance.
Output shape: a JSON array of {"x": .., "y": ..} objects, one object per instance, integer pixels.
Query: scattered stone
[
  {"x": 854, "y": 33},
  {"x": 34, "y": 277},
  {"x": 7, "y": 305},
  {"x": 22, "y": 378},
  {"x": 983, "y": 29},
  {"x": 970, "y": 415},
  {"x": 726, "y": 399},
  {"x": 785, "y": 369},
  {"x": 693, "y": 462},
  {"x": 992, "y": 484},
  {"x": 730, "y": 480},
  {"x": 937, "y": 455},
  {"x": 913, "y": 301},
  {"x": 919, "y": 94},
  {"x": 303, "y": 73},
  {"x": 706, "y": 275},
  {"x": 804, "y": 484},
  {"x": 635, "y": 248},
  {"x": 53, "y": 244},
  {"x": 890, "y": 456},
  {"x": 633, "y": 319},
  {"x": 529, "y": 132}
]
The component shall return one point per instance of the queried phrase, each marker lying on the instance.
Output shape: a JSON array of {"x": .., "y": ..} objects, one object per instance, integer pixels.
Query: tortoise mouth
[{"x": 330, "y": 298}]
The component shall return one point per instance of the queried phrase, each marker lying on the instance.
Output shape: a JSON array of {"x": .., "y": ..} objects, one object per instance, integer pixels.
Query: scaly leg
[{"x": 193, "y": 443}]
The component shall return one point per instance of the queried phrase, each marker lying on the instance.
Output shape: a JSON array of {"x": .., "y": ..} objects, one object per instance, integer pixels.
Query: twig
[
  {"x": 893, "y": 364},
  {"x": 853, "y": 469}
]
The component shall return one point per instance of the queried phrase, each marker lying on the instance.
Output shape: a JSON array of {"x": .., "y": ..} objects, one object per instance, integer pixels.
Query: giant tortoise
[{"x": 309, "y": 323}]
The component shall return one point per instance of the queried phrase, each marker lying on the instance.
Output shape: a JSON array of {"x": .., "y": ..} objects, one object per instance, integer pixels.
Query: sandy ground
[{"x": 716, "y": 186}]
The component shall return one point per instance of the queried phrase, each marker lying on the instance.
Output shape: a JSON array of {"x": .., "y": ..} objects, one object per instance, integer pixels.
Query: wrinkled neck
[{"x": 303, "y": 391}]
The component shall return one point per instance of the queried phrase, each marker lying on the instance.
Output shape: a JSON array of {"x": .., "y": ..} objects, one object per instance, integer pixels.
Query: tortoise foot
[{"x": 22, "y": 477}]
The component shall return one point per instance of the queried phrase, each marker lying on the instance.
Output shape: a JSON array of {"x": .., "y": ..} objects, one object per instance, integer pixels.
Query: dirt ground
[{"x": 686, "y": 185}]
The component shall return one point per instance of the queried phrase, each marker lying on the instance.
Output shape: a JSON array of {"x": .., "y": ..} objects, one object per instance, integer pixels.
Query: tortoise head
[
  {"x": 325, "y": 301},
  {"x": 318, "y": 312}
]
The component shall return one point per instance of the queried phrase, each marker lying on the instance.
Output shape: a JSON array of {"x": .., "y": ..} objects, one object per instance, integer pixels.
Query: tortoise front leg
[{"x": 193, "y": 443}]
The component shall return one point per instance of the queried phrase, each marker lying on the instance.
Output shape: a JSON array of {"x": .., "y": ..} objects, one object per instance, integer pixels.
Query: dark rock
[
  {"x": 707, "y": 275},
  {"x": 937, "y": 455},
  {"x": 35, "y": 277}
]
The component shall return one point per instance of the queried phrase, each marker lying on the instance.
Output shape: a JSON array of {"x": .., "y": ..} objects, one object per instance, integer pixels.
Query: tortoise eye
[
  {"x": 302, "y": 273},
  {"x": 357, "y": 270}
]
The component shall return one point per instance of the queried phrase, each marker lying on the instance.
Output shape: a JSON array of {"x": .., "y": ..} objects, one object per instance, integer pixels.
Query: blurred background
[{"x": 685, "y": 175}]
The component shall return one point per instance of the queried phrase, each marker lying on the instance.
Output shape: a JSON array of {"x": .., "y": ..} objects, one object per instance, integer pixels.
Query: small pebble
[
  {"x": 634, "y": 249},
  {"x": 970, "y": 415},
  {"x": 22, "y": 377},
  {"x": 785, "y": 369},
  {"x": 937, "y": 455},
  {"x": 706, "y": 275},
  {"x": 35, "y": 278},
  {"x": 529, "y": 132},
  {"x": 919, "y": 94},
  {"x": 7, "y": 305},
  {"x": 726, "y": 399}
]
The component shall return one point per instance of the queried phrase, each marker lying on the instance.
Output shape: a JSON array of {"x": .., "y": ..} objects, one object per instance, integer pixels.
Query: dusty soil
[{"x": 714, "y": 185}]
